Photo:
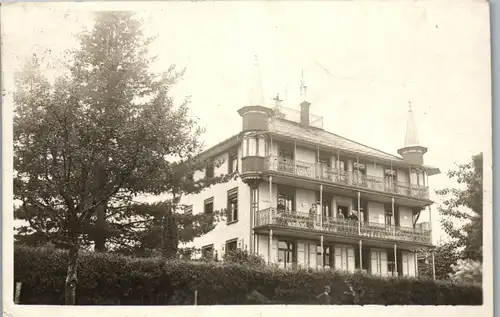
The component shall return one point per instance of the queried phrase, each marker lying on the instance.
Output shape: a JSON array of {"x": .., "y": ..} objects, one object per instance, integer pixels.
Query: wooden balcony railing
[
  {"x": 323, "y": 172},
  {"x": 292, "y": 219}
]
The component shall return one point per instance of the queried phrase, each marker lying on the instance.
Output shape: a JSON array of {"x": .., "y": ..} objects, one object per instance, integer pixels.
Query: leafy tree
[
  {"x": 101, "y": 134},
  {"x": 445, "y": 256},
  {"x": 465, "y": 205}
]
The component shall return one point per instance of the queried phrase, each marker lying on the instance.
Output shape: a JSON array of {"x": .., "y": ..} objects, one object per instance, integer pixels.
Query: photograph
[{"x": 247, "y": 153}]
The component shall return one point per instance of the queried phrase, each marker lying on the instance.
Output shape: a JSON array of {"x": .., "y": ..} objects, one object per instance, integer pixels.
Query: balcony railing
[
  {"x": 323, "y": 172},
  {"x": 298, "y": 220}
]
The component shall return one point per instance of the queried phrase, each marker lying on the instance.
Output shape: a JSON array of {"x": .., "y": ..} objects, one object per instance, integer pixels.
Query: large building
[{"x": 307, "y": 197}]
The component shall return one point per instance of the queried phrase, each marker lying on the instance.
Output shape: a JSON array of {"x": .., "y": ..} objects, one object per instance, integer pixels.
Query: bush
[
  {"x": 467, "y": 271},
  {"x": 107, "y": 279},
  {"x": 243, "y": 258}
]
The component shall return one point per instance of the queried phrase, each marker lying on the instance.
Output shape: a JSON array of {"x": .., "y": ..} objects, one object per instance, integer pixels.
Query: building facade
[{"x": 307, "y": 197}]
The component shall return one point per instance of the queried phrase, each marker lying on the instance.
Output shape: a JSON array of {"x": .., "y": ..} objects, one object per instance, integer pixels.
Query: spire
[
  {"x": 412, "y": 152},
  {"x": 411, "y": 138},
  {"x": 256, "y": 94}
]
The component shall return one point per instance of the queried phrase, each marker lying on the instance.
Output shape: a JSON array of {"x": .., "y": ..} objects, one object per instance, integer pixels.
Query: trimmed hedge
[{"x": 109, "y": 279}]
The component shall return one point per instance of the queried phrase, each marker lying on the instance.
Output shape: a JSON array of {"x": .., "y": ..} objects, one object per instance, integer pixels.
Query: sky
[{"x": 362, "y": 61}]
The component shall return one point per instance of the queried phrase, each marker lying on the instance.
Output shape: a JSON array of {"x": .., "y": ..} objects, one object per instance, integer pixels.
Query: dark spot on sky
[{"x": 437, "y": 27}]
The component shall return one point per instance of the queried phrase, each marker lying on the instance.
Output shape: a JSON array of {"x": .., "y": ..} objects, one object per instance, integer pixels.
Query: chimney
[{"x": 304, "y": 113}]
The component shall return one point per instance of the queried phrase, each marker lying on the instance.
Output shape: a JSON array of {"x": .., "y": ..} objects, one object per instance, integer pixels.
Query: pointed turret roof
[
  {"x": 411, "y": 138},
  {"x": 256, "y": 97}
]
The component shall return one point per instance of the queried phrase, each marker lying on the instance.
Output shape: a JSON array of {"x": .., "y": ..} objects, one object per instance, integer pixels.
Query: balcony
[
  {"x": 344, "y": 227},
  {"x": 322, "y": 172}
]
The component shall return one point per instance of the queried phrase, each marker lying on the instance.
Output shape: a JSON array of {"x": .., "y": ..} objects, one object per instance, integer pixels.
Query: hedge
[{"x": 110, "y": 279}]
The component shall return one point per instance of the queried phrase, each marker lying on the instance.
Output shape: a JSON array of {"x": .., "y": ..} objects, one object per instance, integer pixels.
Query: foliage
[
  {"x": 467, "y": 271},
  {"x": 106, "y": 278},
  {"x": 105, "y": 132},
  {"x": 243, "y": 258},
  {"x": 99, "y": 136},
  {"x": 445, "y": 255},
  {"x": 465, "y": 204}
]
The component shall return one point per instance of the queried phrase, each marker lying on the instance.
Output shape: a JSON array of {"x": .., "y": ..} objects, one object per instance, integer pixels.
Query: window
[
  {"x": 209, "y": 171},
  {"x": 233, "y": 163},
  {"x": 231, "y": 245},
  {"x": 286, "y": 253},
  {"x": 388, "y": 217},
  {"x": 257, "y": 146},
  {"x": 209, "y": 205},
  {"x": 344, "y": 210},
  {"x": 207, "y": 252},
  {"x": 285, "y": 203},
  {"x": 232, "y": 205},
  {"x": 326, "y": 255}
]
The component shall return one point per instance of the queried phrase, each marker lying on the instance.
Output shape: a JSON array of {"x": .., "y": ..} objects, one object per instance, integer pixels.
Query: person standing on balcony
[
  {"x": 312, "y": 214},
  {"x": 324, "y": 298}
]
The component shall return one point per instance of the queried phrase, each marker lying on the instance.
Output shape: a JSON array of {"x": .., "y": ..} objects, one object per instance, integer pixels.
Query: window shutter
[
  {"x": 274, "y": 251},
  {"x": 404, "y": 259},
  {"x": 374, "y": 262},
  {"x": 351, "y": 265},
  {"x": 312, "y": 255},
  {"x": 338, "y": 258},
  {"x": 383, "y": 263},
  {"x": 301, "y": 254},
  {"x": 411, "y": 264}
]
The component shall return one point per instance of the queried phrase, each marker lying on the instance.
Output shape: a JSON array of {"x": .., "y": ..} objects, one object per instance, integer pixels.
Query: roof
[{"x": 327, "y": 139}]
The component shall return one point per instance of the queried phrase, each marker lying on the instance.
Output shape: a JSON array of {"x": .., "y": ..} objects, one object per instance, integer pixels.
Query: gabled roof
[{"x": 327, "y": 139}]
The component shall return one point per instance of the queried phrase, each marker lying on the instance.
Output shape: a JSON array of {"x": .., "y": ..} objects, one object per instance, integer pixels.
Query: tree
[
  {"x": 465, "y": 205},
  {"x": 169, "y": 224},
  {"x": 445, "y": 256},
  {"x": 97, "y": 137}
]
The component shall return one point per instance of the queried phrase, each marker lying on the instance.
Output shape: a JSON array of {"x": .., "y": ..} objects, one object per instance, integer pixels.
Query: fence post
[{"x": 195, "y": 297}]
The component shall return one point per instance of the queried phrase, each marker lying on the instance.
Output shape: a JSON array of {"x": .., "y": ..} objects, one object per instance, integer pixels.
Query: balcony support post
[
  {"x": 415, "y": 257},
  {"x": 395, "y": 260},
  {"x": 318, "y": 166},
  {"x": 433, "y": 266},
  {"x": 270, "y": 199},
  {"x": 361, "y": 255},
  {"x": 393, "y": 186},
  {"x": 357, "y": 172},
  {"x": 409, "y": 180},
  {"x": 270, "y": 248},
  {"x": 321, "y": 206},
  {"x": 359, "y": 212},
  {"x": 322, "y": 251},
  {"x": 430, "y": 222},
  {"x": 294, "y": 157},
  {"x": 393, "y": 218},
  {"x": 338, "y": 165}
]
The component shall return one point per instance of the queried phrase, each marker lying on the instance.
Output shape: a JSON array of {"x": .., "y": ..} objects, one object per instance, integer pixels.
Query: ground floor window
[
  {"x": 286, "y": 252},
  {"x": 231, "y": 245},
  {"x": 207, "y": 252},
  {"x": 323, "y": 259}
]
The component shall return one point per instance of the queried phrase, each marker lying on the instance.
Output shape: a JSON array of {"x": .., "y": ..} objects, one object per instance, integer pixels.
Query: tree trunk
[
  {"x": 169, "y": 240},
  {"x": 71, "y": 277},
  {"x": 101, "y": 229}
]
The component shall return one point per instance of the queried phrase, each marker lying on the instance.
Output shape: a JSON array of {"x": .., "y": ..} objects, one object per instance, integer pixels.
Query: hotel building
[{"x": 307, "y": 197}]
